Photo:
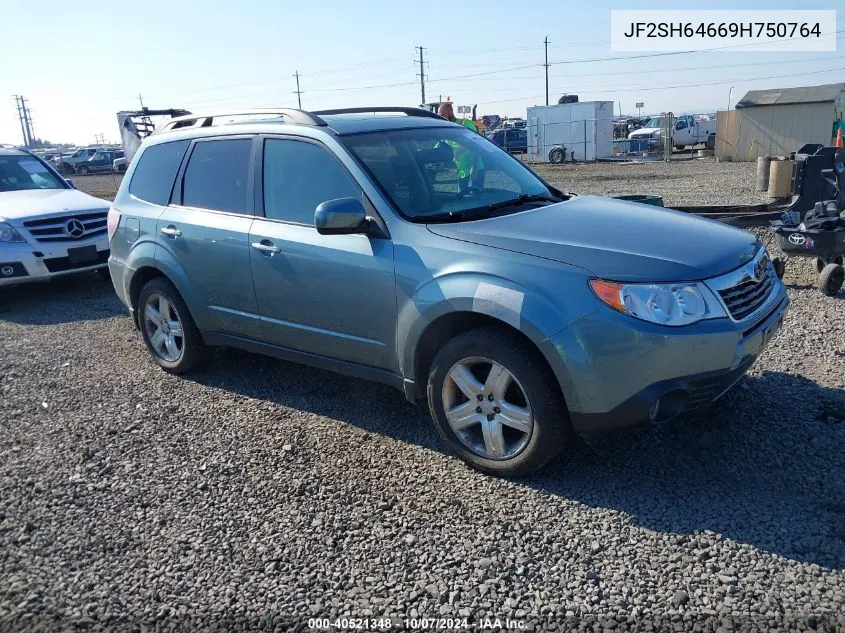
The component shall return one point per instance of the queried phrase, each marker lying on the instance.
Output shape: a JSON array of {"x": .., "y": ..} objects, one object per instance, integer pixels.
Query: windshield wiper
[
  {"x": 458, "y": 216},
  {"x": 520, "y": 200}
]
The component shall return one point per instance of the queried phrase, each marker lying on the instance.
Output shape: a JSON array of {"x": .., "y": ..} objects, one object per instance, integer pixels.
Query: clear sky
[{"x": 80, "y": 61}]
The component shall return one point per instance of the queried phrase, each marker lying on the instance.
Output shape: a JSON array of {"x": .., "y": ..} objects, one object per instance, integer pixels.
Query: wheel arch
[
  {"x": 454, "y": 303},
  {"x": 141, "y": 278},
  {"x": 158, "y": 268}
]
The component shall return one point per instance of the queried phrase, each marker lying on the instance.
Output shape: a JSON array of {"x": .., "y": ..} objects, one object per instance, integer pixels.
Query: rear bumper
[{"x": 613, "y": 368}]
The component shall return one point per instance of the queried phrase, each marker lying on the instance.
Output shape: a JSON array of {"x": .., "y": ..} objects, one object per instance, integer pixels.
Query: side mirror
[
  {"x": 341, "y": 216},
  {"x": 71, "y": 183}
]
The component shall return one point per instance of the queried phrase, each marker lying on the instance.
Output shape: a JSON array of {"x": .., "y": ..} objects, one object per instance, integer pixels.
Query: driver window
[
  {"x": 681, "y": 125},
  {"x": 298, "y": 176}
]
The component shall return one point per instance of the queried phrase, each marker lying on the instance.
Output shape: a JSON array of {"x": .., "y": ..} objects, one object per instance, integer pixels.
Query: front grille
[
  {"x": 56, "y": 229},
  {"x": 749, "y": 294},
  {"x": 61, "y": 264}
]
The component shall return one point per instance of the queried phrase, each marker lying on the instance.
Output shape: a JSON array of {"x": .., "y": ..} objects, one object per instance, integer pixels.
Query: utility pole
[
  {"x": 141, "y": 100},
  {"x": 422, "y": 75},
  {"x": 546, "y": 43},
  {"x": 20, "y": 118},
  {"x": 26, "y": 120},
  {"x": 298, "y": 92}
]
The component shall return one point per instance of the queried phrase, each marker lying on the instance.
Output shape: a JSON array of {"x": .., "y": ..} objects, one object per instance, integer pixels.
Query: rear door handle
[
  {"x": 267, "y": 247},
  {"x": 171, "y": 231}
]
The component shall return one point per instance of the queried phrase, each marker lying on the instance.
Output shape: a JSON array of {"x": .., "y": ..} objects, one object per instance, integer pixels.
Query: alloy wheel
[
  {"x": 487, "y": 408},
  {"x": 164, "y": 328}
]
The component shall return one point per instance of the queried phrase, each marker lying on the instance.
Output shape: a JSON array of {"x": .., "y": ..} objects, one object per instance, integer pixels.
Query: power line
[
  {"x": 671, "y": 70},
  {"x": 672, "y": 87},
  {"x": 669, "y": 53}
]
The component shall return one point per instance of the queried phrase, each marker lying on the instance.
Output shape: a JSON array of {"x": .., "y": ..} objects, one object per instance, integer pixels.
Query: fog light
[
  {"x": 667, "y": 406},
  {"x": 7, "y": 271},
  {"x": 652, "y": 413}
]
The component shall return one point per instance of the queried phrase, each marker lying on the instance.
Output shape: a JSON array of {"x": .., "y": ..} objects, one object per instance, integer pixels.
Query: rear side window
[
  {"x": 156, "y": 170},
  {"x": 217, "y": 175}
]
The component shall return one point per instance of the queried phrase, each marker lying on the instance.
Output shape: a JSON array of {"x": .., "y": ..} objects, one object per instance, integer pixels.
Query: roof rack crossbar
[
  {"x": 404, "y": 110},
  {"x": 207, "y": 119}
]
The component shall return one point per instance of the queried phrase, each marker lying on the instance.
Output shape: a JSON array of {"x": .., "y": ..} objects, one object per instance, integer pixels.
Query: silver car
[
  {"x": 47, "y": 228},
  {"x": 393, "y": 245}
]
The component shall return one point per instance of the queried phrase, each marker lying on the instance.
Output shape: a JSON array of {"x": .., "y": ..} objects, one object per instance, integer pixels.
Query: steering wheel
[{"x": 471, "y": 189}]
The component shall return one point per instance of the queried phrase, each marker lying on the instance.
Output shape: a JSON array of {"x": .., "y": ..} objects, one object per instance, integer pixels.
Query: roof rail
[
  {"x": 207, "y": 119},
  {"x": 404, "y": 110}
]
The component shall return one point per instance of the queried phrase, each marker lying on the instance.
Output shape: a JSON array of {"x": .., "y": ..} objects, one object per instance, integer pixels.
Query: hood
[
  {"x": 15, "y": 205},
  {"x": 614, "y": 239},
  {"x": 644, "y": 131}
]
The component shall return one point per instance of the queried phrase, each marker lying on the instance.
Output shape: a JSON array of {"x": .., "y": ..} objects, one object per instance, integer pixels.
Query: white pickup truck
[{"x": 689, "y": 130}]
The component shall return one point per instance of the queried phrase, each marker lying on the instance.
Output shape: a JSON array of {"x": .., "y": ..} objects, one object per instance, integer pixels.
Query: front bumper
[
  {"x": 614, "y": 368},
  {"x": 22, "y": 263}
]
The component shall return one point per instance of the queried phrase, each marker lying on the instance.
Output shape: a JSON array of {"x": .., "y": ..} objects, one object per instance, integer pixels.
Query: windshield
[
  {"x": 654, "y": 122},
  {"x": 25, "y": 172},
  {"x": 440, "y": 172}
]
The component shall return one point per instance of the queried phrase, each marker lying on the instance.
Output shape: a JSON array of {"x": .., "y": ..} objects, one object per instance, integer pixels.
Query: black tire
[
  {"x": 82, "y": 170},
  {"x": 831, "y": 278},
  {"x": 711, "y": 142},
  {"x": 556, "y": 156},
  {"x": 194, "y": 351},
  {"x": 820, "y": 264},
  {"x": 551, "y": 430},
  {"x": 121, "y": 168},
  {"x": 780, "y": 267}
]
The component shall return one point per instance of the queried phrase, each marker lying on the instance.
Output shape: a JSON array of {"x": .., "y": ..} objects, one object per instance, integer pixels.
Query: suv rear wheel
[
  {"x": 167, "y": 328},
  {"x": 495, "y": 403}
]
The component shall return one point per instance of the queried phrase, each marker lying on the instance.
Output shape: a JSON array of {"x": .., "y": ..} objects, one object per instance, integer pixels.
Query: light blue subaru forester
[{"x": 347, "y": 240}]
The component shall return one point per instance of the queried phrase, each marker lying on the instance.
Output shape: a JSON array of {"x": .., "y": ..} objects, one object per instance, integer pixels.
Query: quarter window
[
  {"x": 217, "y": 175},
  {"x": 156, "y": 170},
  {"x": 298, "y": 177}
]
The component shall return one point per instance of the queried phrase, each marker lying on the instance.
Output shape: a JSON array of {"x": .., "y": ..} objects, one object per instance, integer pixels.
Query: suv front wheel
[
  {"x": 167, "y": 328},
  {"x": 495, "y": 403}
]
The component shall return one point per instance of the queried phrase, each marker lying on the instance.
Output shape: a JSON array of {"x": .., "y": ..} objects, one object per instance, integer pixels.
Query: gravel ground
[
  {"x": 256, "y": 493},
  {"x": 682, "y": 182}
]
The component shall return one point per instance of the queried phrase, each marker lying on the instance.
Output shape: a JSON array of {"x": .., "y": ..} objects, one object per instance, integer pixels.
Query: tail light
[{"x": 113, "y": 221}]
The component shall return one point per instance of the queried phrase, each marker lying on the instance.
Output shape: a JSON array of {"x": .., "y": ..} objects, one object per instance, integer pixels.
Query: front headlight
[
  {"x": 9, "y": 234},
  {"x": 665, "y": 304}
]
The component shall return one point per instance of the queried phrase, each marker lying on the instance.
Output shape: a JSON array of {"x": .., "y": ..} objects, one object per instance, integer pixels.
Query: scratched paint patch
[{"x": 499, "y": 302}]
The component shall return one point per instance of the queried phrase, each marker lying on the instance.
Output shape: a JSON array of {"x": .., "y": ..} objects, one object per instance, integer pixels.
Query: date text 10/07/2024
[{"x": 414, "y": 624}]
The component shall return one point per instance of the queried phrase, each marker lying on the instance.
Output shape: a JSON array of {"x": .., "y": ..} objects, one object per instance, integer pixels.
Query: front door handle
[
  {"x": 171, "y": 231},
  {"x": 266, "y": 247}
]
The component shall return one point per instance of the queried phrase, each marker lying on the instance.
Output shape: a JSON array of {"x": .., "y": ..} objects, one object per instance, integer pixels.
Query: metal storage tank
[{"x": 584, "y": 130}]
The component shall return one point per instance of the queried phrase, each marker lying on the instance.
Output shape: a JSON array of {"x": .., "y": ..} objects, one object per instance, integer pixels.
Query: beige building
[{"x": 776, "y": 122}]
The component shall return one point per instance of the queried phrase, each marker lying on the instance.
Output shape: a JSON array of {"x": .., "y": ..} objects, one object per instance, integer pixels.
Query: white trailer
[{"x": 570, "y": 131}]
